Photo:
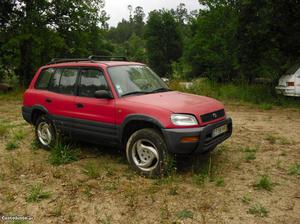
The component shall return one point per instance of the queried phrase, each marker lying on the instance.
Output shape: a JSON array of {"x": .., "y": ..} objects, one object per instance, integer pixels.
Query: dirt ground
[{"x": 217, "y": 188}]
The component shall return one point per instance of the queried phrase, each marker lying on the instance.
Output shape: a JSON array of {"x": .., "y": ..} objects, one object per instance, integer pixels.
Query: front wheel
[
  {"x": 45, "y": 132},
  {"x": 147, "y": 153}
]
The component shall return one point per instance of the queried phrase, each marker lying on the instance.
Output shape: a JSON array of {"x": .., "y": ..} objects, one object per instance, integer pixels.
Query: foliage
[
  {"x": 163, "y": 41},
  {"x": 225, "y": 41},
  {"x": 62, "y": 154},
  {"x": 36, "y": 194}
]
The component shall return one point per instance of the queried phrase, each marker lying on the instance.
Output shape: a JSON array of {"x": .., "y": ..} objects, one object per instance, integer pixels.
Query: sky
[{"x": 117, "y": 9}]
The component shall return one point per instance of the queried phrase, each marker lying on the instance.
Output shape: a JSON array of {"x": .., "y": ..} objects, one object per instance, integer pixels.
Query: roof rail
[
  {"x": 63, "y": 60},
  {"x": 107, "y": 58},
  {"x": 91, "y": 58}
]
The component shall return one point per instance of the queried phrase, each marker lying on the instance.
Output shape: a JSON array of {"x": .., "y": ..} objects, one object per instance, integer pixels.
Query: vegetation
[
  {"x": 37, "y": 194},
  {"x": 226, "y": 41},
  {"x": 264, "y": 183},
  {"x": 294, "y": 169},
  {"x": 62, "y": 153},
  {"x": 258, "y": 210}
]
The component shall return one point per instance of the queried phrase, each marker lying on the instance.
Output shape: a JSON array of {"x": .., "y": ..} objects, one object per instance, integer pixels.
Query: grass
[
  {"x": 4, "y": 127},
  {"x": 294, "y": 169},
  {"x": 246, "y": 199},
  {"x": 248, "y": 149},
  {"x": 185, "y": 214},
  {"x": 62, "y": 154},
  {"x": 12, "y": 96},
  {"x": 271, "y": 138},
  {"x": 220, "y": 182},
  {"x": 258, "y": 211},
  {"x": 19, "y": 135},
  {"x": 264, "y": 183},
  {"x": 36, "y": 194},
  {"x": 91, "y": 170},
  {"x": 259, "y": 95},
  {"x": 11, "y": 145},
  {"x": 250, "y": 156},
  {"x": 265, "y": 106}
]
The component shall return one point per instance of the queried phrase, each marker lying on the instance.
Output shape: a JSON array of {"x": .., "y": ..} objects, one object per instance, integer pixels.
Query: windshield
[
  {"x": 135, "y": 79},
  {"x": 293, "y": 69}
]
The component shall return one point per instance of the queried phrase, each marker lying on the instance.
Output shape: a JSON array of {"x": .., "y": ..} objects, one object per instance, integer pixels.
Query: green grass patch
[
  {"x": 264, "y": 183},
  {"x": 265, "y": 106},
  {"x": 185, "y": 214},
  {"x": 258, "y": 211},
  {"x": 271, "y": 138},
  {"x": 3, "y": 128},
  {"x": 91, "y": 170},
  {"x": 219, "y": 181},
  {"x": 36, "y": 194},
  {"x": 12, "y": 96},
  {"x": 19, "y": 135},
  {"x": 62, "y": 154},
  {"x": 250, "y": 156},
  {"x": 11, "y": 145},
  {"x": 248, "y": 149},
  {"x": 294, "y": 169}
]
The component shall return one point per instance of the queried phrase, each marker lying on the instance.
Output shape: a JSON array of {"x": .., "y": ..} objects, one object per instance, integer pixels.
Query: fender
[
  {"x": 37, "y": 108},
  {"x": 137, "y": 117}
]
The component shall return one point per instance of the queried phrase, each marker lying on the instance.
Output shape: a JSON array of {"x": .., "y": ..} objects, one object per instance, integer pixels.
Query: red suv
[{"x": 109, "y": 100}]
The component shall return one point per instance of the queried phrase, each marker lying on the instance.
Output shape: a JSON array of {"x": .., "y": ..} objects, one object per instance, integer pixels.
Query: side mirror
[{"x": 103, "y": 94}]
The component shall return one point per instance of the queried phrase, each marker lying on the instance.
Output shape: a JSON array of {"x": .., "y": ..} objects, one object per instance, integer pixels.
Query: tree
[
  {"x": 163, "y": 41},
  {"x": 34, "y": 31}
]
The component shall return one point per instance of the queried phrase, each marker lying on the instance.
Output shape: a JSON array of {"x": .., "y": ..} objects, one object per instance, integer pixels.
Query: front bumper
[
  {"x": 286, "y": 91},
  {"x": 206, "y": 142}
]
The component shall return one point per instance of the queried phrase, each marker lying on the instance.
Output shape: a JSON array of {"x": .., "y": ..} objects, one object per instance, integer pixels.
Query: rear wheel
[
  {"x": 147, "y": 153},
  {"x": 45, "y": 132}
]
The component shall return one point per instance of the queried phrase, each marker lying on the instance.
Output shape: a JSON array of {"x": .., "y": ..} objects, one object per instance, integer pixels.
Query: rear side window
[
  {"x": 44, "y": 78},
  {"x": 54, "y": 83},
  {"x": 91, "y": 80},
  {"x": 68, "y": 81}
]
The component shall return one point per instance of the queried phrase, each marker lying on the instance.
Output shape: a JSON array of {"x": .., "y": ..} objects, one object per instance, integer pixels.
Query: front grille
[{"x": 212, "y": 116}]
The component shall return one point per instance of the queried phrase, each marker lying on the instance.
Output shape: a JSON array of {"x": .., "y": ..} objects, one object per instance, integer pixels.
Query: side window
[
  {"x": 91, "y": 80},
  {"x": 44, "y": 78},
  {"x": 68, "y": 81},
  {"x": 54, "y": 83}
]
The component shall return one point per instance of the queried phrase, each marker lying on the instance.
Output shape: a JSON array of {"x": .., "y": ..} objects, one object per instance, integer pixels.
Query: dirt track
[{"x": 263, "y": 143}]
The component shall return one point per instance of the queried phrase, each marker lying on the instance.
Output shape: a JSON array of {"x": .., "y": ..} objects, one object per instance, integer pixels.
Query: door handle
[
  {"x": 79, "y": 105},
  {"x": 48, "y": 100}
]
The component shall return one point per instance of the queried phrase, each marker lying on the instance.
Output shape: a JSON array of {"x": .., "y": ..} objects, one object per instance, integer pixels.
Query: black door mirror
[{"x": 103, "y": 94}]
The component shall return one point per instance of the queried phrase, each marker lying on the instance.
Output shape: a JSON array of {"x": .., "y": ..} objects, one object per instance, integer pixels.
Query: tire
[
  {"x": 44, "y": 132},
  {"x": 147, "y": 153}
]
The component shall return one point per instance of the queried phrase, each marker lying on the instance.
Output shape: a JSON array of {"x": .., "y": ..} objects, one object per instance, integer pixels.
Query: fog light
[{"x": 190, "y": 139}]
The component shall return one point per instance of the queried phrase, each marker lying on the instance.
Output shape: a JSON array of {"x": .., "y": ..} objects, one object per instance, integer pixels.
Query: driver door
[{"x": 95, "y": 119}]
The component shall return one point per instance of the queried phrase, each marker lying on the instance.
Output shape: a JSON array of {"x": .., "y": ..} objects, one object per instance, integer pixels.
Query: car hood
[{"x": 178, "y": 102}]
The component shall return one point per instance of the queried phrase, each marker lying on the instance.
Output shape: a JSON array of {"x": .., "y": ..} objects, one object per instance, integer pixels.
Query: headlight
[{"x": 183, "y": 120}]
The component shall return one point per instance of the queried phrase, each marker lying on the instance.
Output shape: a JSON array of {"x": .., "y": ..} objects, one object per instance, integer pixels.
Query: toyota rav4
[{"x": 106, "y": 100}]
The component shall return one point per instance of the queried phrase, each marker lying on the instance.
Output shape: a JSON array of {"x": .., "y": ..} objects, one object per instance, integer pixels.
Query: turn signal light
[
  {"x": 290, "y": 84},
  {"x": 192, "y": 139}
]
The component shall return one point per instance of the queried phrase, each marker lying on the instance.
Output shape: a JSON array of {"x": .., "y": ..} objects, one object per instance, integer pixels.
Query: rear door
[
  {"x": 94, "y": 118},
  {"x": 61, "y": 96}
]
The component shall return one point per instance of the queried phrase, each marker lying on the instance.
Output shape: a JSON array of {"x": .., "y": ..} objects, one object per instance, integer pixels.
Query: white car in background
[{"x": 289, "y": 83}]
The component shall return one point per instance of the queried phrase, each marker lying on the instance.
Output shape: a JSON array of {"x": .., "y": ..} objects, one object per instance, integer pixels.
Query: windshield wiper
[
  {"x": 159, "y": 90},
  {"x": 135, "y": 92}
]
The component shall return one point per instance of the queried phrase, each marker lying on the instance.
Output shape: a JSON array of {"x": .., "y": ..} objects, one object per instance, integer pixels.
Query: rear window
[{"x": 44, "y": 78}]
